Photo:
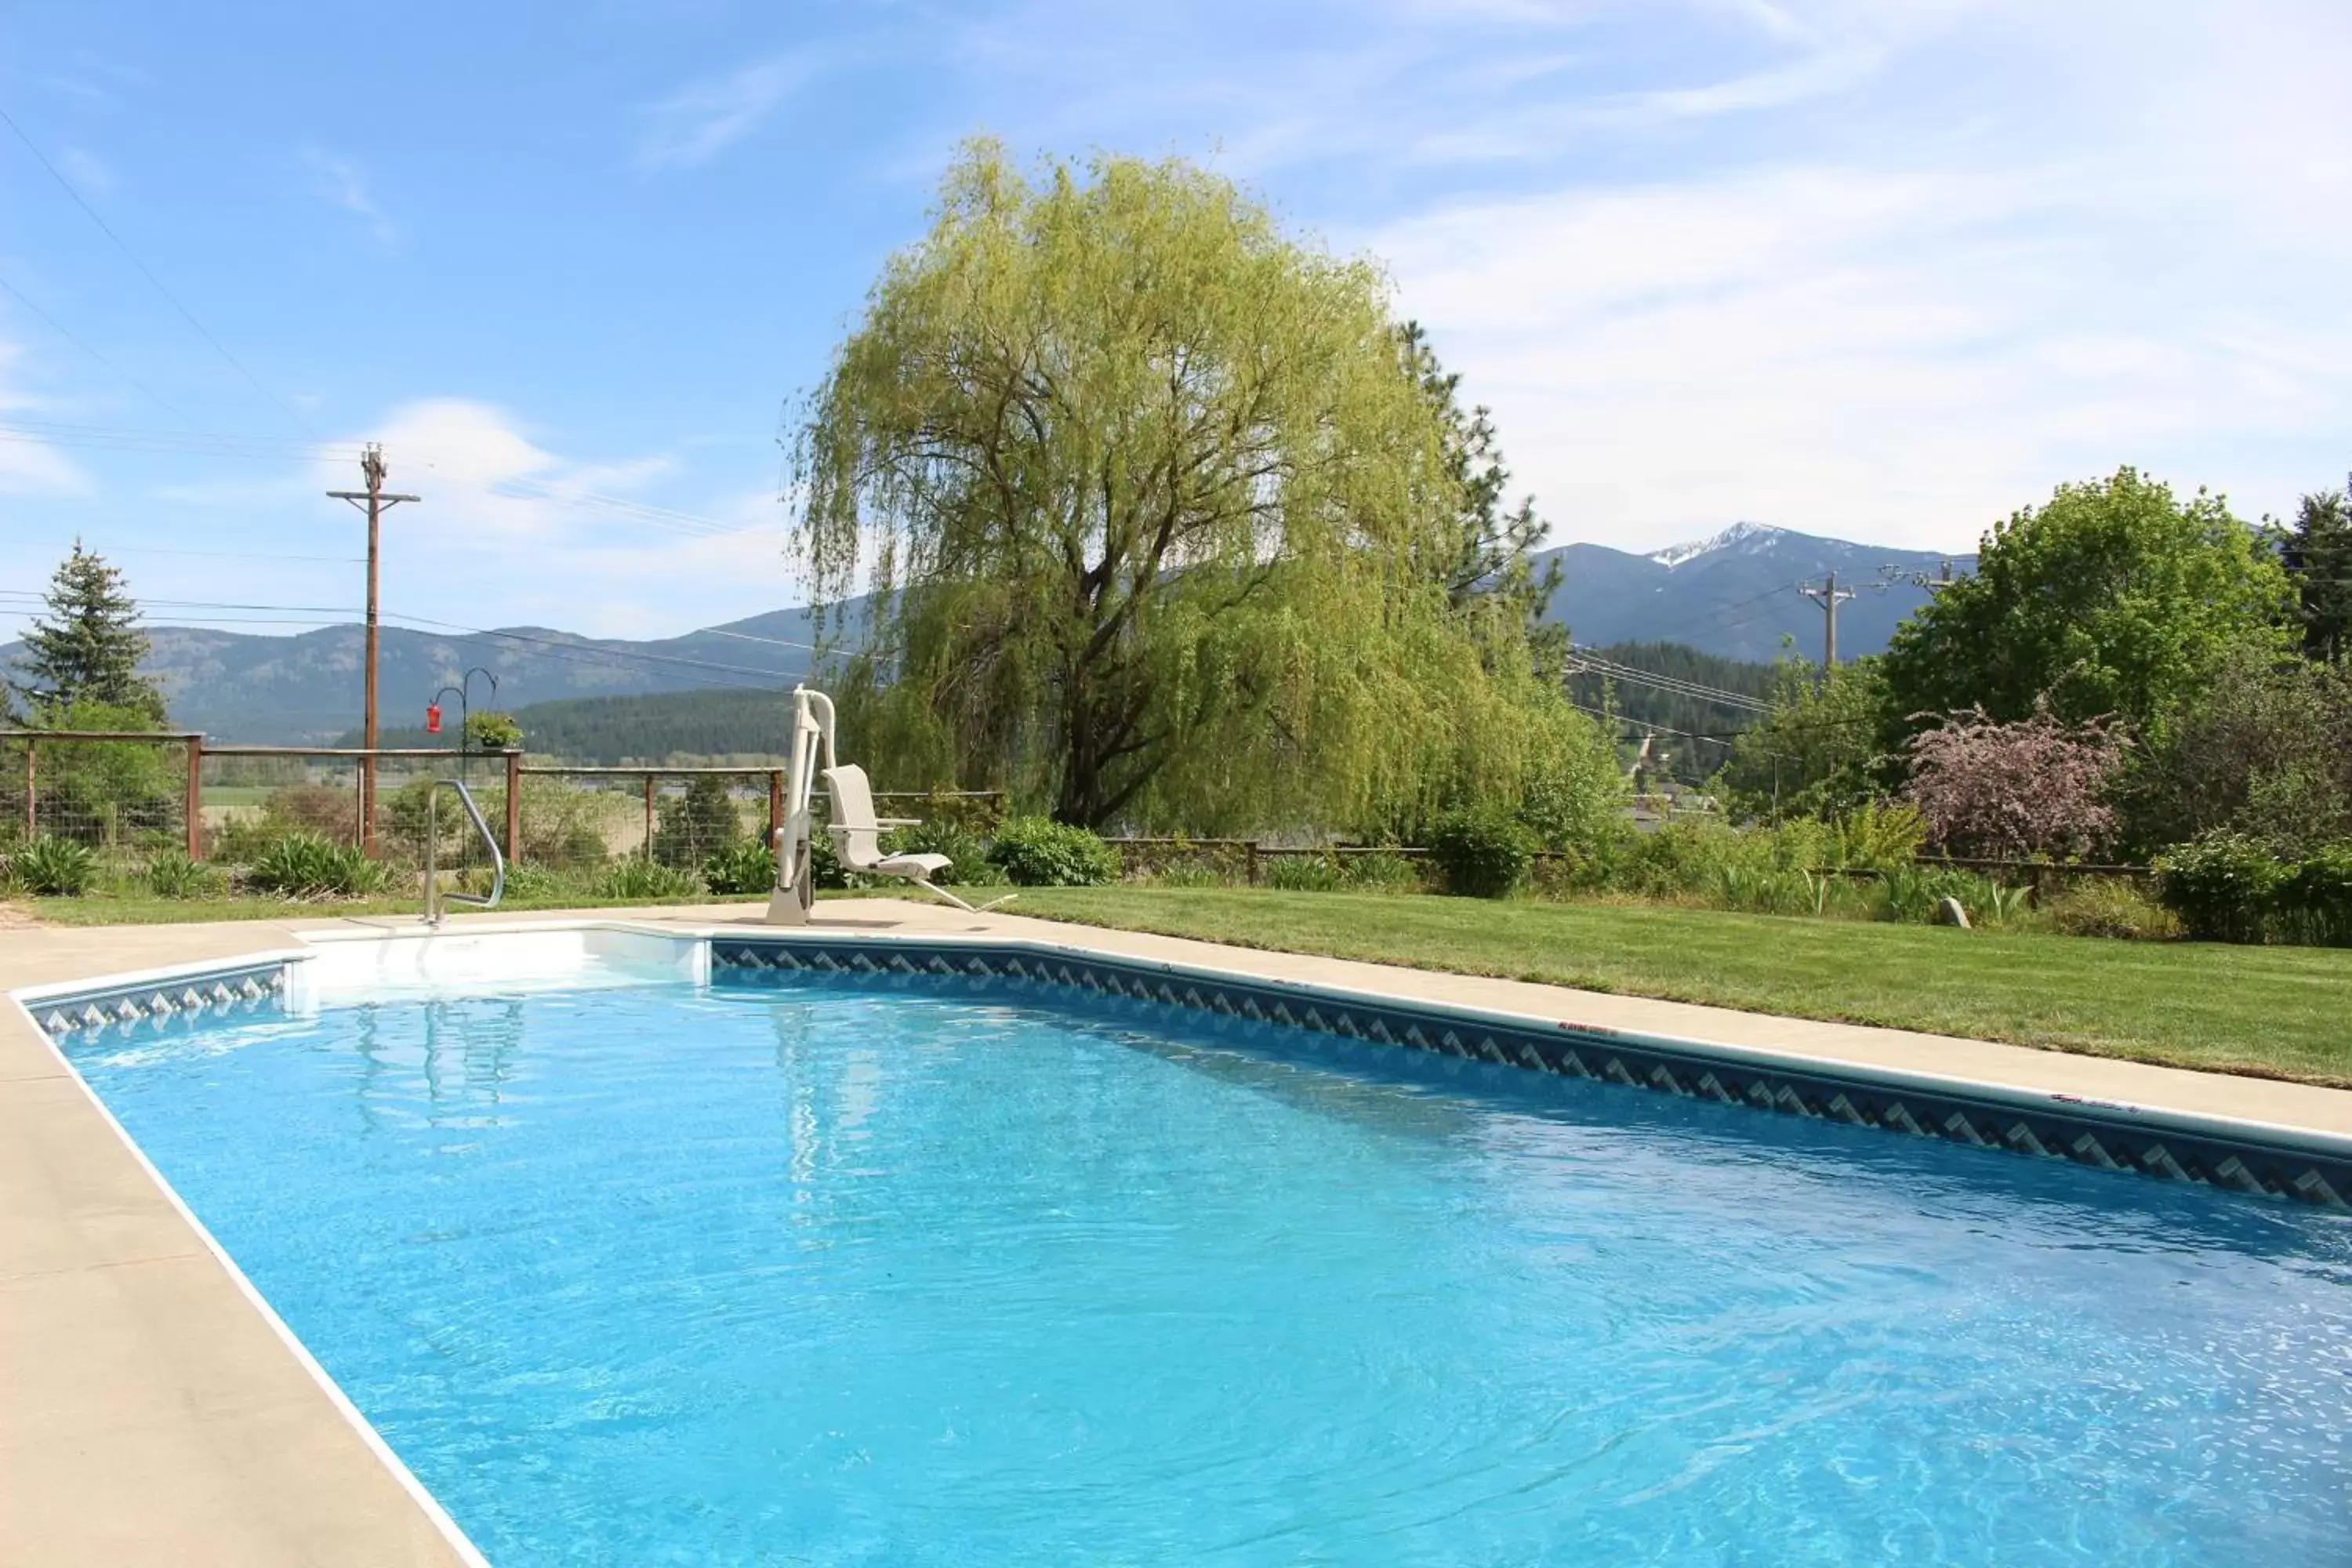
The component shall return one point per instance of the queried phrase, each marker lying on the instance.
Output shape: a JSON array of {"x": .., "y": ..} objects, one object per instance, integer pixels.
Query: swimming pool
[{"x": 798, "y": 1267}]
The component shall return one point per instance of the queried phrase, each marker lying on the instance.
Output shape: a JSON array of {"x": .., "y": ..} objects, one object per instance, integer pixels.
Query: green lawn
[{"x": 2277, "y": 1012}]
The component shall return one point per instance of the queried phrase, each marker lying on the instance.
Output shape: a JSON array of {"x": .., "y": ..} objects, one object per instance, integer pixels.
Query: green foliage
[
  {"x": 2317, "y": 897},
  {"x": 1485, "y": 559},
  {"x": 698, "y": 822},
  {"x": 2317, "y": 551},
  {"x": 1482, "y": 853},
  {"x": 1879, "y": 836},
  {"x": 1379, "y": 874},
  {"x": 966, "y": 851},
  {"x": 1912, "y": 892},
  {"x": 1038, "y": 852},
  {"x": 2115, "y": 598},
  {"x": 1301, "y": 873},
  {"x": 826, "y": 870},
  {"x": 2224, "y": 887},
  {"x": 52, "y": 867},
  {"x": 171, "y": 874},
  {"x": 103, "y": 793},
  {"x": 321, "y": 811},
  {"x": 492, "y": 731},
  {"x": 1159, "y": 518},
  {"x": 86, "y": 648},
  {"x": 1578, "y": 803},
  {"x": 746, "y": 866},
  {"x": 302, "y": 864},
  {"x": 2265, "y": 751},
  {"x": 1817, "y": 752},
  {"x": 2109, "y": 906},
  {"x": 647, "y": 881}
]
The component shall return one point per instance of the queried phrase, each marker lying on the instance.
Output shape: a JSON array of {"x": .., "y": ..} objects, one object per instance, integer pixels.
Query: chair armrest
[{"x": 898, "y": 821}]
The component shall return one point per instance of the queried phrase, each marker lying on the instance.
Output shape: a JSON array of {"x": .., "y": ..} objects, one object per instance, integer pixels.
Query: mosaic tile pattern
[
  {"x": 2089, "y": 1137},
  {"x": 160, "y": 1001}
]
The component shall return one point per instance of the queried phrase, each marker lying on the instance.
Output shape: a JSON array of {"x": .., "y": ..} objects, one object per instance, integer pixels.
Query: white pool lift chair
[
  {"x": 856, "y": 831},
  {"x": 857, "y": 838}
]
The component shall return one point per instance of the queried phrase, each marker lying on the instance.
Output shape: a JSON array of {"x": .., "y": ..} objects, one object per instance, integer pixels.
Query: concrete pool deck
[{"x": 152, "y": 1411}]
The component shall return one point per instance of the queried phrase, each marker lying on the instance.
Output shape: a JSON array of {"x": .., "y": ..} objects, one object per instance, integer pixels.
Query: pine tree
[
  {"x": 88, "y": 648},
  {"x": 2317, "y": 553}
]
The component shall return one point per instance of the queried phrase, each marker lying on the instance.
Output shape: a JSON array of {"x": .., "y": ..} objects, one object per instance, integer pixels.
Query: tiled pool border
[{"x": 2247, "y": 1158}]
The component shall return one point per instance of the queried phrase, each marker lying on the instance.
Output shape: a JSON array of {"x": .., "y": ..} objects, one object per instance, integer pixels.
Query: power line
[
  {"x": 104, "y": 228},
  {"x": 62, "y": 330}
]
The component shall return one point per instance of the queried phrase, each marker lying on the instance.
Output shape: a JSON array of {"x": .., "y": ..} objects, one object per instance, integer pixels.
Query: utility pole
[
  {"x": 375, "y": 501},
  {"x": 1828, "y": 598}
]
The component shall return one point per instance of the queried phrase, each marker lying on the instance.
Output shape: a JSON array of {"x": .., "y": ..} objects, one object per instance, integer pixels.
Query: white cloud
[
  {"x": 340, "y": 183},
  {"x": 701, "y": 120}
]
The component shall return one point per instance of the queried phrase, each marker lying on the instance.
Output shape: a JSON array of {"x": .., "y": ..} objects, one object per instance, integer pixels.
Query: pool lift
[{"x": 856, "y": 831}]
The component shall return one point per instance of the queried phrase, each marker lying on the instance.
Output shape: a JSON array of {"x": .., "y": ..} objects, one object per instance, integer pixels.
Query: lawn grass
[{"x": 2277, "y": 1012}]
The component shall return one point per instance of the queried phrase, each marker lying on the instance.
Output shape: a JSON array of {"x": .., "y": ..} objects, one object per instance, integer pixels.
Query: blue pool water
[{"x": 801, "y": 1272}]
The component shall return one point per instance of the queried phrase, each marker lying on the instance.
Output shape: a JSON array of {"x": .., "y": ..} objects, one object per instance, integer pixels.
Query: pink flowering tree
[{"x": 2037, "y": 787}]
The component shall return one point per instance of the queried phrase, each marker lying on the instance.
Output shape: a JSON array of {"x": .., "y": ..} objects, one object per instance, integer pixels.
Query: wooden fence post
[
  {"x": 1253, "y": 862},
  {"x": 32, "y": 770},
  {"x": 649, "y": 816},
  {"x": 194, "y": 807},
  {"x": 514, "y": 806},
  {"x": 775, "y": 808}
]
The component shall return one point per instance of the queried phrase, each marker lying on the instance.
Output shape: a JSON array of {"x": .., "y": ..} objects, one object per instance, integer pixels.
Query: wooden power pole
[
  {"x": 1828, "y": 598},
  {"x": 375, "y": 502}
]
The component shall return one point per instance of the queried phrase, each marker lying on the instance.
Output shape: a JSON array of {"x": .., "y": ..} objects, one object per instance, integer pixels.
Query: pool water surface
[{"x": 800, "y": 1270}]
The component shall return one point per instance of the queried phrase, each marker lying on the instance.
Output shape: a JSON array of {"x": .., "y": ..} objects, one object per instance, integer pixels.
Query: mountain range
[{"x": 1733, "y": 595}]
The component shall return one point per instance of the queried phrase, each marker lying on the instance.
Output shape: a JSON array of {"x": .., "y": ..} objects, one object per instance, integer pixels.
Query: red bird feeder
[{"x": 433, "y": 718}]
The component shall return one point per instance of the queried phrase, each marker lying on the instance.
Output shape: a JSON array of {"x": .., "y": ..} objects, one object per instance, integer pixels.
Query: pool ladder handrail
[{"x": 434, "y": 896}]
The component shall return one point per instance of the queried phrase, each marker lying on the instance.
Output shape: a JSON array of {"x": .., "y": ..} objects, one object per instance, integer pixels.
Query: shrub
[
  {"x": 967, "y": 855},
  {"x": 1912, "y": 892},
  {"x": 2224, "y": 887},
  {"x": 2011, "y": 791},
  {"x": 2109, "y": 906},
  {"x": 1301, "y": 873},
  {"x": 54, "y": 867},
  {"x": 1038, "y": 852},
  {"x": 1881, "y": 835},
  {"x": 826, "y": 870},
  {"x": 1482, "y": 854},
  {"x": 1381, "y": 873},
  {"x": 1188, "y": 873},
  {"x": 742, "y": 867},
  {"x": 647, "y": 881},
  {"x": 304, "y": 864},
  {"x": 170, "y": 874},
  {"x": 2318, "y": 898}
]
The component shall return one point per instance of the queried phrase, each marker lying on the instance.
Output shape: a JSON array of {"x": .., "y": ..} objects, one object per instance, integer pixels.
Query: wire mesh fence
[{"x": 122, "y": 799}]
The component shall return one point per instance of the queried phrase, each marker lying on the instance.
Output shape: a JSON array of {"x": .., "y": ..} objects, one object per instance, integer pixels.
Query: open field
[{"x": 2271, "y": 1011}]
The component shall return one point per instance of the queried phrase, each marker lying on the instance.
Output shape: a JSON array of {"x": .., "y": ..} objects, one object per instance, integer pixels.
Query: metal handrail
[{"x": 434, "y": 896}]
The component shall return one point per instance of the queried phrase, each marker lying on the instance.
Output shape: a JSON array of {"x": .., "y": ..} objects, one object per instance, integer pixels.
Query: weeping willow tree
[{"x": 1159, "y": 518}]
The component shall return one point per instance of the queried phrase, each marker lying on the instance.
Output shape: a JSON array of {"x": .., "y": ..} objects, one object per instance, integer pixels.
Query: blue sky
[{"x": 1883, "y": 269}]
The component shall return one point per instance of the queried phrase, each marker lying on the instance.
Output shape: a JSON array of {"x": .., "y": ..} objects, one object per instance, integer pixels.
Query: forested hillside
[{"x": 674, "y": 726}]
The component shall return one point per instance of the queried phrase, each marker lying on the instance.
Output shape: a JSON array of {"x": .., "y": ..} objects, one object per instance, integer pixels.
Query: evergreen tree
[
  {"x": 2317, "y": 553},
  {"x": 88, "y": 648},
  {"x": 1489, "y": 549}
]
